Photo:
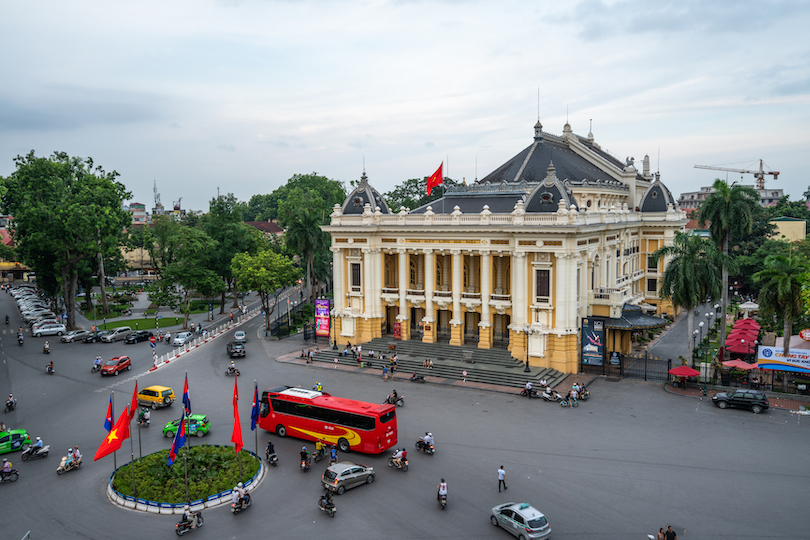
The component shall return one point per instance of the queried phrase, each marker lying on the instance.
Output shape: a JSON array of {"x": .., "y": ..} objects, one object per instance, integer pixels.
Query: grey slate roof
[
  {"x": 473, "y": 203},
  {"x": 633, "y": 318},
  {"x": 656, "y": 198},
  {"x": 361, "y": 195}
]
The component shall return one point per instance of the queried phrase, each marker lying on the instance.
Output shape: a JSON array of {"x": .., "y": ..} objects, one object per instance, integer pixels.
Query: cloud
[{"x": 227, "y": 147}]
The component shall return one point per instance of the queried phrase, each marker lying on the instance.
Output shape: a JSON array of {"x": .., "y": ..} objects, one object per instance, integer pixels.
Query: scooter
[
  {"x": 328, "y": 507},
  {"x": 48, "y": 369},
  {"x": 11, "y": 405},
  {"x": 67, "y": 467},
  {"x": 573, "y": 403},
  {"x": 531, "y": 394},
  {"x": 551, "y": 395},
  {"x": 6, "y": 319},
  {"x": 305, "y": 464},
  {"x": 272, "y": 459},
  {"x": 236, "y": 507},
  {"x": 95, "y": 368},
  {"x": 323, "y": 454},
  {"x": 426, "y": 448},
  {"x": 399, "y": 402},
  {"x": 46, "y": 349},
  {"x": 443, "y": 501},
  {"x": 185, "y": 526},
  {"x": 30, "y": 453},
  {"x": 20, "y": 339},
  {"x": 10, "y": 476},
  {"x": 584, "y": 394},
  {"x": 417, "y": 378},
  {"x": 144, "y": 422},
  {"x": 402, "y": 467},
  {"x": 234, "y": 371}
]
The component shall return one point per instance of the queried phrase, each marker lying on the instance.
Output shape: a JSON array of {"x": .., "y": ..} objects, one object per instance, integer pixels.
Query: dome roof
[
  {"x": 547, "y": 195},
  {"x": 364, "y": 194},
  {"x": 657, "y": 198}
]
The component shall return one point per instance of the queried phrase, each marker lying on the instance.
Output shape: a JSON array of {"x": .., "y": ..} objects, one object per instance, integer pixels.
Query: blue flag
[
  {"x": 254, "y": 414},
  {"x": 108, "y": 421},
  {"x": 179, "y": 439}
]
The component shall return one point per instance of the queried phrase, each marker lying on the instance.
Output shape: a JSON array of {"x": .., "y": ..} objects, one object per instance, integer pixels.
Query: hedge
[{"x": 211, "y": 470}]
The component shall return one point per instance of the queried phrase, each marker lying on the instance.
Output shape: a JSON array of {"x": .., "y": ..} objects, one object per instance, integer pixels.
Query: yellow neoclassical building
[{"x": 557, "y": 235}]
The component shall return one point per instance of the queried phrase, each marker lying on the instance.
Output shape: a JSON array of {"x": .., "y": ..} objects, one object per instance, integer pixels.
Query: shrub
[{"x": 211, "y": 470}]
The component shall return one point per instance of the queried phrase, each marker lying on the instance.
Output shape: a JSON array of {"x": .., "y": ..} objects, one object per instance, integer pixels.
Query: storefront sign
[
  {"x": 397, "y": 330},
  {"x": 593, "y": 341},
  {"x": 805, "y": 334},
  {"x": 322, "y": 318},
  {"x": 774, "y": 358}
]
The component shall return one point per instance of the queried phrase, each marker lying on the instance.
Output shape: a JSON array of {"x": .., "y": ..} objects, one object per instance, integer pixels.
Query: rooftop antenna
[
  {"x": 566, "y": 113},
  {"x": 156, "y": 194},
  {"x": 364, "y": 164},
  {"x": 217, "y": 192},
  {"x": 476, "y": 168},
  {"x": 538, "y": 103}
]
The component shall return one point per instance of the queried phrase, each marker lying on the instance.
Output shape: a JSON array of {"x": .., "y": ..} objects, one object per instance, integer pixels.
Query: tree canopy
[{"x": 267, "y": 273}]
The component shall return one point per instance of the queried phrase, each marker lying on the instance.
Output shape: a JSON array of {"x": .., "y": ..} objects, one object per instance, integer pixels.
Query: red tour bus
[{"x": 351, "y": 425}]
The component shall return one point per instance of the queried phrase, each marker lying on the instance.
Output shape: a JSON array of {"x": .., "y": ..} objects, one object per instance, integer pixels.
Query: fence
[{"x": 632, "y": 366}]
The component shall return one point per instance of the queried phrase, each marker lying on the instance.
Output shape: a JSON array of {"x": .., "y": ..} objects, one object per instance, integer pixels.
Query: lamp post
[
  {"x": 526, "y": 329},
  {"x": 701, "y": 330}
]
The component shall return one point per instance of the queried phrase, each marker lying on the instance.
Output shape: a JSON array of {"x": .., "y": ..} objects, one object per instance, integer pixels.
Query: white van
[{"x": 117, "y": 334}]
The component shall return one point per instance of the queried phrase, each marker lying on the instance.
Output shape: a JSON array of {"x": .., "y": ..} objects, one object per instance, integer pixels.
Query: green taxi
[
  {"x": 13, "y": 440},
  {"x": 196, "y": 424}
]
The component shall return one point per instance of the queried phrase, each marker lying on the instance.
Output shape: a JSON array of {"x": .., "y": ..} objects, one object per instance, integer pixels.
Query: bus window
[{"x": 387, "y": 417}]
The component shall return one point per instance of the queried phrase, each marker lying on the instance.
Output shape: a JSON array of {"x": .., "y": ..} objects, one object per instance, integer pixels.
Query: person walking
[
  {"x": 661, "y": 534},
  {"x": 385, "y": 373},
  {"x": 670, "y": 534},
  {"x": 501, "y": 479}
]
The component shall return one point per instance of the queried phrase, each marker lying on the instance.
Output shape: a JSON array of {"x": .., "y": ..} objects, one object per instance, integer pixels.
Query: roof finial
[{"x": 590, "y": 130}]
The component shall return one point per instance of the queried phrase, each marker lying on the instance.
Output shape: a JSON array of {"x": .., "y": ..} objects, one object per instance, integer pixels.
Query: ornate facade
[{"x": 561, "y": 231}]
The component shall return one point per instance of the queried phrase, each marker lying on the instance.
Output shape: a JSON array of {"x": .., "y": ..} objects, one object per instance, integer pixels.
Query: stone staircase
[{"x": 491, "y": 366}]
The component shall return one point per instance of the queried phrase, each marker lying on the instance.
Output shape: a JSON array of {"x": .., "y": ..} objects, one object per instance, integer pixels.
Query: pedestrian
[
  {"x": 464, "y": 375},
  {"x": 385, "y": 373},
  {"x": 661, "y": 534},
  {"x": 501, "y": 479},
  {"x": 336, "y": 362},
  {"x": 354, "y": 353},
  {"x": 670, "y": 534},
  {"x": 360, "y": 351}
]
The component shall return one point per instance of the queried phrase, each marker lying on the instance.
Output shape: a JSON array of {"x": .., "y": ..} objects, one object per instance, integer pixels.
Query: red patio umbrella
[
  {"x": 739, "y": 346},
  {"x": 737, "y": 335},
  {"x": 684, "y": 371},
  {"x": 746, "y": 323},
  {"x": 739, "y": 364}
]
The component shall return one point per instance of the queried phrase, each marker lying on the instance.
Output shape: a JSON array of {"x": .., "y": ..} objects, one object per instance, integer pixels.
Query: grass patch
[
  {"x": 143, "y": 324},
  {"x": 211, "y": 470}
]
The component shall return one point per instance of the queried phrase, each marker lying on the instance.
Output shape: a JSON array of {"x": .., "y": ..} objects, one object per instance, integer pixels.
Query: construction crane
[
  {"x": 177, "y": 203},
  {"x": 759, "y": 175}
]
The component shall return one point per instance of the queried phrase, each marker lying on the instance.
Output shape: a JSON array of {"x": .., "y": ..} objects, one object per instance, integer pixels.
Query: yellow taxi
[{"x": 156, "y": 396}]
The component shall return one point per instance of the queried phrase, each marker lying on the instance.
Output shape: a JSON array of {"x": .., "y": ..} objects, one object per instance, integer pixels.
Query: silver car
[
  {"x": 342, "y": 476},
  {"x": 521, "y": 519},
  {"x": 49, "y": 329},
  {"x": 116, "y": 334},
  {"x": 240, "y": 336},
  {"x": 181, "y": 339},
  {"x": 74, "y": 335}
]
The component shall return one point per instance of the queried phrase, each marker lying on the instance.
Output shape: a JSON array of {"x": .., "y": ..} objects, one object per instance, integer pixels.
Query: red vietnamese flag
[
  {"x": 236, "y": 437},
  {"x": 133, "y": 407},
  {"x": 435, "y": 179},
  {"x": 117, "y": 435}
]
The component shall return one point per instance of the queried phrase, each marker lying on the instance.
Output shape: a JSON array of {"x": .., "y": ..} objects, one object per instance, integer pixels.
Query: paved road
[
  {"x": 631, "y": 459},
  {"x": 675, "y": 341}
]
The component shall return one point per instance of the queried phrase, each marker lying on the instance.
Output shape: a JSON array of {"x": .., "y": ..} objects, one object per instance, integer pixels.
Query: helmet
[
  {"x": 235, "y": 488},
  {"x": 430, "y": 434},
  {"x": 442, "y": 479},
  {"x": 77, "y": 446},
  {"x": 303, "y": 448},
  {"x": 239, "y": 484},
  {"x": 70, "y": 450},
  {"x": 185, "y": 507},
  {"x": 39, "y": 439}
]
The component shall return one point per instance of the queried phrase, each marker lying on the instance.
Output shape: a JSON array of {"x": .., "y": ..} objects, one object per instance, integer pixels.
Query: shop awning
[{"x": 634, "y": 318}]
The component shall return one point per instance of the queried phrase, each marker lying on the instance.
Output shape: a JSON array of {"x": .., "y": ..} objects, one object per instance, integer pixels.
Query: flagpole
[
  {"x": 112, "y": 411},
  {"x": 188, "y": 438},
  {"x": 132, "y": 463},
  {"x": 185, "y": 466},
  {"x": 256, "y": 431}
]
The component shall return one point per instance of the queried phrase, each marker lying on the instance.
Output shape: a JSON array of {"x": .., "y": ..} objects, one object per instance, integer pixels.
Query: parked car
[
  {"x": 521, "y": 519},
  {"x": 13, "y": 440},
  {"x": 94, "y": 337},
  {"x": 49, "y": 329},
  {"x": 50, "y": 317},
  {"x": 240, "y": 336},
  {"x": 744, "y": 398},
  {"x": 235, "y": 349},
  {"x": 116, "y": 364},
  {"x": 180, "y": 339},
  {"x": 75, "y": 335},
  {"x": 196, "y": 424},
  {"x": 346, "y": 475},
  {"x": 138, "y": 336},
  {"x": 116, "y": 334},
  {"x": 156, "y": 396}
]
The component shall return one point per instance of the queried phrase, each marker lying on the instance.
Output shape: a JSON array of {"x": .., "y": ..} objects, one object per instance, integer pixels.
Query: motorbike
[
  {"x": 48, "y": 369},
  {"x": 95, "y": 368},
  {"x": 305, "y": 464},
  {"x": 417, "y": 378},
  {"x": 143, "y": 421},
  {"x": 531, "y": 394},
  {"x": 328, "y": 507},
  {"x": 551, "y": 395},
  {"x": 6, "y": 319},
  {"x": 31, "y": 453},
  {"x": 584, "y": 394},
  {"x": 403, "y": 467},
  {"x": 565, "y": 402},
  {"x": 443, "y": 501},
  {"x": 234, "y": 371},
  {"x": 46, "y": 349},
  {"x": 11, "y": 405},
  {"x": 236, "y": 507},
  {"x": 20, "y": 339},
  {"x": 10, "y": 476},
  {"x": 323, "y": 454},
  {"x": 426, "y": 448},
  {"x": 272, "y": 459},
  {"x": 185, "y": 526},
  {"x": 399, "y": 402},
  {"x": 67, "y": 467}
]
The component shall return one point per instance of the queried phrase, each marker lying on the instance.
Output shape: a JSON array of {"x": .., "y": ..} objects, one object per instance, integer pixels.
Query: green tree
[
  {"x": 313, "y": 191},
  {"x": 267, "y": 273},
  {"x": 780, "y": 291},
  {"x": 728, "y": 211},
  {"x": 63, "y": 209},
  {"x": 806, "y": 194},
  {"x": 166, "y": 239},
  {"x": 784, "y": 207},
  {"x": 305, "y": 236},
  {"x": 412, "y": 193},
  {"x": 692, "y": 275},
  {"x": 140, "y": 237}
]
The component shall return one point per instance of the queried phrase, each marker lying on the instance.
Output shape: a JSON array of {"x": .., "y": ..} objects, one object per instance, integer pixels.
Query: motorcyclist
[
  {"x": 232, "y": 367},
  {"x": 97, "y": 362},
  {"x": 270, "y": 450},
  {"x": 46, "y": 347},
  {"x": 442, "y": 489},
  {"x": 6, "y": 467},
  {"x": 69, "y": 457},
  {"x": 168, "y": 337},
  {"x": 143, "y": 416},
  {"x": 241, "y": 491},
  {"x": 37, "y": 445},
  {"x": 6, "y": 319},
  {"x": 10, "y": 401},
  {"x": 392, "y": 397},
  {"x": 319, "y": 448},
  {"x": 428, "y": 439},
  {"x": 189, "y": 516},
  {"x": 50, "y": 366},
  {"x": 332, "y": 455},
  {"x": 529, "y": 388},
  {"x": 305, "y": 455},
  {"x": 76, "y": 454},
  {"x": 398, "y": 457},
  {"x": 326, "y": 499}
]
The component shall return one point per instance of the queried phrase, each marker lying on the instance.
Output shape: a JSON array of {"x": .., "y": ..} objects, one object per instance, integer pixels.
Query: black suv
[
  {"x": 235, "y": 349},
  {"x": 94, "y": 337},
  {"x": 138, "y": 336},
  {"x": 744, "y": 398}
]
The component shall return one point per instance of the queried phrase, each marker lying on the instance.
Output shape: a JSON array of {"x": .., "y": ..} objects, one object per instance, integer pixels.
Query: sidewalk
[{"x": 777, "y": 401}]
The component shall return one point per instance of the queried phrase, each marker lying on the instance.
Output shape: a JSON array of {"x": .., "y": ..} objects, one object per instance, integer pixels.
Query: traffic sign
[{"x": 152, "y": 339}]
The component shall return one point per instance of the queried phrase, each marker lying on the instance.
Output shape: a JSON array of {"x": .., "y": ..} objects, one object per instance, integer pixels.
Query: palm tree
[
  {"x": 780, "y": 291},
  {"x": 728, "y": 211},
  {"x": 305, "y": 236},
  {"x": 692, "y": 275}
]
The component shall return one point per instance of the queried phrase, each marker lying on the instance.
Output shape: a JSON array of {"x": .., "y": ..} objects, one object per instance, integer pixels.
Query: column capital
[
  {"x": 455, "y": 252},
  {"x": 427, "y": 251},
  {"x": 335, "y": 249},
  {"x": 518, "y": 254},
  {"x": 402, "y": 250}
]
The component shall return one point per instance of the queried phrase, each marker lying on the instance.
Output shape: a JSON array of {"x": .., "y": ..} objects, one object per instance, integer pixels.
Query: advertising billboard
[
  {"x": 774, "y": 358},
  {"x": 593, "y": 341},
  {"x": 322, "y": 317}
]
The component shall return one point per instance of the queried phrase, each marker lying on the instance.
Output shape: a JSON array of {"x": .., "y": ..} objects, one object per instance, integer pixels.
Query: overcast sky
[{"x": 241, "y": 95}]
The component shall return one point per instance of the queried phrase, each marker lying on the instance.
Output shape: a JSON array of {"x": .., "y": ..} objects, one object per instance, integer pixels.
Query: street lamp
[
  {"x": 526, "y": 329},
  {"x": 694, "y": 338},
  {"x": 701, "y": 330}
]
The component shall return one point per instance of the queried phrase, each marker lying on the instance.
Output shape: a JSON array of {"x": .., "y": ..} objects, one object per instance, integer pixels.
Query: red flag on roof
[{"x": 435, "y": 179}]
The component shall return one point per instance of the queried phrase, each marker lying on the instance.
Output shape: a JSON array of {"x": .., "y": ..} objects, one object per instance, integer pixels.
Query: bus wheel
[
  {"x": 343, "y": 445},
  {"x": 281, "y": 431}
]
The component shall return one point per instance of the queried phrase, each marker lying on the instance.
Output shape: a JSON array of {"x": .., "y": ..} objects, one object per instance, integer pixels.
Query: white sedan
[{"x": 181, "y": 339}]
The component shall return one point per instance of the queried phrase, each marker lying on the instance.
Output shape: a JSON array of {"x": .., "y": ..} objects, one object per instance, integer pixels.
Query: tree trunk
[
  {"x": 105, "y": 308},
  {"x": 235, "y": 294},
  {"x": 88, "y": 297},
  {"x": 222, "y": 302},
  {"x": 788, "y": 333},
  {"x": 309, "y": 279},
  {"x": 186, "y": 310},
  {"x": 724, "y": 303},
  {"x": 69, "y": 279},
  {"x": 690, "y": 325}
]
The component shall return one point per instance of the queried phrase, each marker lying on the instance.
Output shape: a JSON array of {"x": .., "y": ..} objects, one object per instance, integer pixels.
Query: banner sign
[
  {"x": 593, "y": 341},
  {"x": 805, "y": 334},
  {"x": 774, "y": 358},
  {"x": 322, "y": 318}
]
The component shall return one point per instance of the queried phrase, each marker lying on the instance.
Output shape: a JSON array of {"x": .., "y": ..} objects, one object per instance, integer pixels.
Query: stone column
[
  {"x": 485, "y": 326},
  {"x": 520, "y": 297},
  {"x": 377, "y": 273},
  {"x": 499, "y": 276},
  {"x": 472, "y": 276},
  {"x": 339, "y": 291},
  {"x": 457, "y": 319},
  {"x": 445, "y": 273},
  {"x": 429, "y": 319},
  {"x": 364, "y": 332},
  {"x": 402, "y": 317},
  {"x": 420, "y": 272}
]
